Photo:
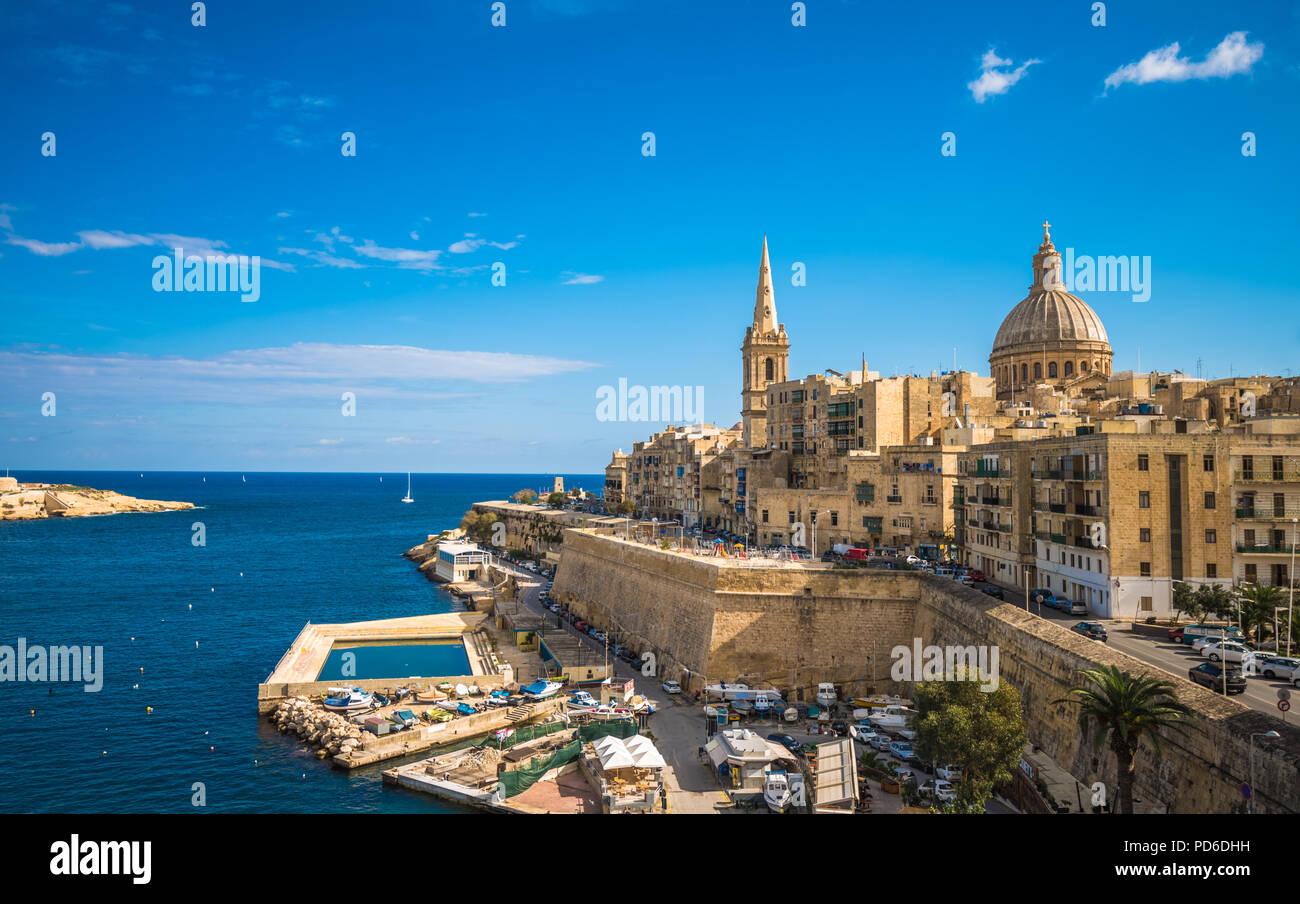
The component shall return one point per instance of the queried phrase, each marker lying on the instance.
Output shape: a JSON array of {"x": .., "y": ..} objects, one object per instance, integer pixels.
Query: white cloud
[
  {"x": 1233, "y": 56},
  {"x": 996, "y": 76},
  {"x": 329, "y": 442},
  {"x": 581, "y": 279},
  {"x": 408, "y": 258},
  {"x": 99, "y": 238},
  {"x": 45, "y": 249}
]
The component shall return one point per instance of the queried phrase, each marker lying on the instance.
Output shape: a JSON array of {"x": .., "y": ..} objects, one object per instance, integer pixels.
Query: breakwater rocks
[{"x": 328, "y": 732}]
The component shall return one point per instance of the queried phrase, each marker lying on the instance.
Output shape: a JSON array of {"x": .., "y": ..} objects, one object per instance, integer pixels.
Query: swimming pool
[{"x": 395, "y": 660}]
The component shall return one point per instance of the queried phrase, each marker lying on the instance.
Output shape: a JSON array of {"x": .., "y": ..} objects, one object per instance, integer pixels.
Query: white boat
[
  {"x": 776, "y": 791},
  {"x": 727, "y": 691},
  {"x": 891, "y": 718},
  {"x": 355, "y": 700},
  {"x": 407, "y": 497},
  {"x": 541, "y": 689},
  {"x": 762, "y": 704},
  {"x": 462, "y": 690},
  {"x": 791, "y": 714},
  {"x": 826, "y": 695}
]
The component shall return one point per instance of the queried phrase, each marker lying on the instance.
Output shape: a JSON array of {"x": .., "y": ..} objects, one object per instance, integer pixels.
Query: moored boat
[
  {"x": 776, "y": 791},
  {"x": 541, "y": 689}
]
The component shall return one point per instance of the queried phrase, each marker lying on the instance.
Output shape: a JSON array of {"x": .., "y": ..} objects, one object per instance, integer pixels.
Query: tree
[
  {"x": 1185, "y": 601},
  {"x": 982, "y": 731},
  {"x": 555, "y": 500},
  {"x": 527, "y": 497},
  {"x": 478, "y": 525},
  {"x": 1214, "y": 599},
  {"x": 626, "y": 507},
  {"x": 1125, "y": 709},
  {"x": 1256, "y": 604}
]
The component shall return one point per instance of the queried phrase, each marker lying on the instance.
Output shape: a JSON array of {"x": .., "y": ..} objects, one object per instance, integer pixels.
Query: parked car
[
  {"x": 978, "y": 575},
  {"x": 994, "y": 591},
  {"x": 1277, "y": 666},
  {"x": 939, "y": 789},
  {"x": 949, "y": 772},
  {"x": 1048, "y": 597},
  {"x": 1090, "y": 629},
  {"x": 786, "y": 741},
  {"x": 881, "y": 742},
  {"x": 901, "y": 749},
  {"x": 1229, "y": 651},
  {"x": 1074, "y": 607},
  {"x": 1176, "y": 634},
  {"x": 1209, "y": 675},
  {"x": 913, "y": 560},
  {"x": 672, "y": 687}
]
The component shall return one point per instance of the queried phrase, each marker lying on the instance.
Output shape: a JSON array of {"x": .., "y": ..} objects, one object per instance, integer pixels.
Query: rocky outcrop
[
  {"x": 30, "y": 501},
  {"x": 330, "y": 733}
]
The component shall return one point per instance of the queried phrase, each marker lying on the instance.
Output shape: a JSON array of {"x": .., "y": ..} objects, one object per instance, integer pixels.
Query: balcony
[
  {"x": 1005, "y": 528},
  {"x": 992, "y": 472},
  {"x": 1057, "y": 507},
  {"x": 990, "y": 500},
  {"x": 893, "y": 498},
  {"x": 1267, "y": 475},
  {"x": 1092, "y": 511},
  {"x": 1267, "y": 514},
  {"x": 1264, "y": 550}
]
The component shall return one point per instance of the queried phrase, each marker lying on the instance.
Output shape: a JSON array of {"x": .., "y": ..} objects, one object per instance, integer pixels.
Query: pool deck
[{"x": 297, "y": 671}]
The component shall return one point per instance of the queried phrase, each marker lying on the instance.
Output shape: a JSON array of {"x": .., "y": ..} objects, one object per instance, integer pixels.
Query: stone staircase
[{"x": 519, "y": 713}]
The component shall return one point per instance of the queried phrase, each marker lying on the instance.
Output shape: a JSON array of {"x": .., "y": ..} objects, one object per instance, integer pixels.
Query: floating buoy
[
  {"x": 148, "y": 709},
  {"x": 212, "y": 748}
]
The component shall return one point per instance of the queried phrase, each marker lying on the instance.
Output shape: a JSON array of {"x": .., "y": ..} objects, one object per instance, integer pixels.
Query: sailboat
[{"x": 407, "y": 497}]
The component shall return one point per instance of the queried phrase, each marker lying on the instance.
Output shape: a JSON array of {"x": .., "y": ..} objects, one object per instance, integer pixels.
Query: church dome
[{"x": 1049, "y": 316}]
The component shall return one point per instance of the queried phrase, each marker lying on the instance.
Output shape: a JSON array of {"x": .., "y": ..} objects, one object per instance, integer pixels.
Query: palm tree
[
  {"x": 1128, "y": 708},
  {"x": 1256, "y": 607}
]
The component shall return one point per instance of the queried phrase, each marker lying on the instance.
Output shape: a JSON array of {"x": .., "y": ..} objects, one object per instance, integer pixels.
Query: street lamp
[
  {"x": 1256, "y": 734},
  {"x": 1290, "y": 606}
]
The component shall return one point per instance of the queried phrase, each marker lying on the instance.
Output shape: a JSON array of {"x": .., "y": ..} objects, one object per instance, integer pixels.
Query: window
[
  {"x": 764, "y": 516},
  {"x": 1145, "y": 603},
  {"x": 1144, "y": 499},
  {"x": 1211, "y": 570},
  {"x": 1209, "y": 500},
  {"x": 1051, "y": 370},
  {"x": 1144, "y": 569},
  {"x": 1144, "y": 535},
  {"x": 792, "y": 517},
  {"x": 1069, "y": 368},
  {"x": 1144, "y": 463},
  {"x": 768, "y": 369},
  {"x": 1208, "y": 463},
  {"x": 1038, "y": 370},
  {"x": 835, "y": 519},
  {"x": 1211, "y": 536},
  {"x": 1252, "y": 574}
]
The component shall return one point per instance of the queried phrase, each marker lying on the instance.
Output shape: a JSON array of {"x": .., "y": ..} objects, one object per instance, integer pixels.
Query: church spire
[{"x": 764, "y": 301}]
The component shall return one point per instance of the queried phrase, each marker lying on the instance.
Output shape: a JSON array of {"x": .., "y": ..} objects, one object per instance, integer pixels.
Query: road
[{"x": 1175, "y": 658}]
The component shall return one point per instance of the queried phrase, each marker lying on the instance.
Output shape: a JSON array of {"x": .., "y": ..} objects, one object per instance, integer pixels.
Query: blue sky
[{"x": 522, "y": 145}]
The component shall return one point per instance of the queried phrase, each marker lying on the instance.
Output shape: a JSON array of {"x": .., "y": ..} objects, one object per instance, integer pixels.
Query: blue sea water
[{"x": 282, "y": 549}]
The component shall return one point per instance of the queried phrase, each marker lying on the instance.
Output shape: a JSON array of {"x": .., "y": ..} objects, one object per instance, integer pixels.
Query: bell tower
[{"x": 765, "y": 357}]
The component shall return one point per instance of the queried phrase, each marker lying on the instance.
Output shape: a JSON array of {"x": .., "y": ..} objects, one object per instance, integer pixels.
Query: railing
[
  {"x": 1268, "y": 514},
  {"x": 1057, "y": 507},
  {"x": 992, "y": 472},
  {"x": 893, "y": 498},
  {"x": 1005, "y": 528},
  {"x": 1090, "y": 510},
  {"x": 1057, "y": 538},
  {"x": 1268, "y": 474},
  {"x": 1264, "y": 550}
]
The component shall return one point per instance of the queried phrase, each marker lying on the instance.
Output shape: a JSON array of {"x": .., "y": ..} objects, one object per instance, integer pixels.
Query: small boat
[
  {"x": 776, "y": 791},
  {"x": 380, "y": 699},
  {"x": 498, "y": 698},
  {"x": 405, "y": 718},
  {"x": 465, "y": 709},
  {"x": 541, "y": 689},
  {"x": 826, "y": 695},
  {"x": 762, "y": 704},
  {"x": 727, "y": 691},
  {"x": 462, "y": 690},
  {"x": 861, "y": 714},
  {"x": 407, "y": 497},
  {"x": 355, "y": 701},
  {"x": 437, "y": 715},
  {"x": 742, "y": 706},
  {"x": 448, "y": 706},
  {"x": 891, "y": 718},
  {"x": 791, "y": 714},
  {"x": 813, "y": 710}
]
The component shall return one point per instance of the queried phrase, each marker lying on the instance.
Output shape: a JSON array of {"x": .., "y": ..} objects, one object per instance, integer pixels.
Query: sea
[{"x": 188, "y": 632}]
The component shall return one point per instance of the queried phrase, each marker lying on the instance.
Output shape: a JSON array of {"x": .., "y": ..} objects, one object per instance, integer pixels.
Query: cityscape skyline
[{"x": 377, "y": 269}]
